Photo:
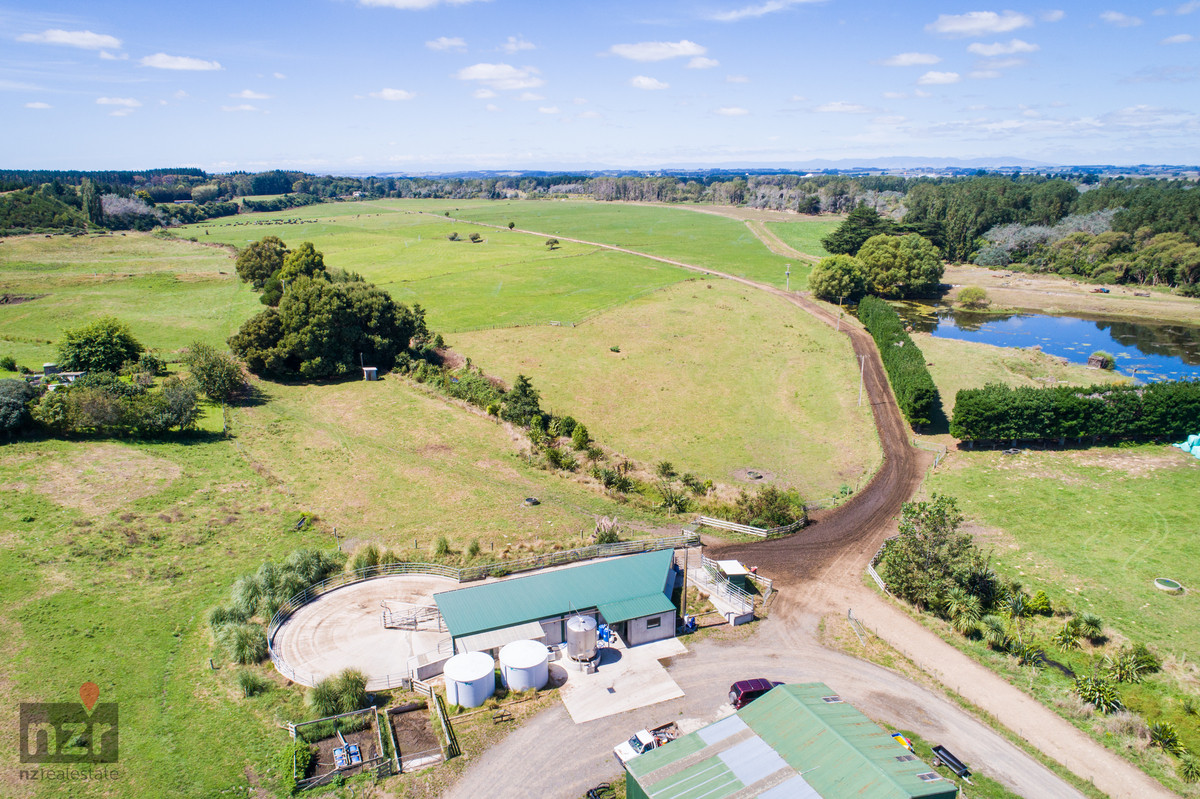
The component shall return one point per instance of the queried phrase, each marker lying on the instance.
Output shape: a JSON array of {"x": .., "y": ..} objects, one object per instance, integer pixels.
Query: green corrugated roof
[
  {"x": 838, "y": 750},
  {"x": 613, "y": 581},
  {"x": 635, "y": 607}
]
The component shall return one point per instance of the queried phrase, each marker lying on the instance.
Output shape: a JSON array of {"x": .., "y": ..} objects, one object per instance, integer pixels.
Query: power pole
[{"x": 862, "y": 368}]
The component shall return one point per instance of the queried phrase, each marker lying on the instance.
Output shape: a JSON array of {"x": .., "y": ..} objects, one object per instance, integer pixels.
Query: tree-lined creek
[{"x": 1147, "y": 351}]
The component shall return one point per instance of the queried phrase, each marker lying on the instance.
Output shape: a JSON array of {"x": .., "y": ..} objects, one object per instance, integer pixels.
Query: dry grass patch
[{"x": 98, "y": 478}]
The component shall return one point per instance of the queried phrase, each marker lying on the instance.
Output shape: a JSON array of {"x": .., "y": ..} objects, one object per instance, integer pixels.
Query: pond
[{"x": 1148, "y": 351}]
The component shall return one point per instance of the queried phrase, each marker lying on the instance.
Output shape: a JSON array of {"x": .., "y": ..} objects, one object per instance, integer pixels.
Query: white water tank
[
  {"x": 470, "y": 678},
  {"x": 524, "y": 665}
]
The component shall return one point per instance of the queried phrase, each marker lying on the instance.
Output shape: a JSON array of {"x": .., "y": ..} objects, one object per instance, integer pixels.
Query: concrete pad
[
  {"x": 627, "y": 678},
  {"x": 344, "y": 628}
]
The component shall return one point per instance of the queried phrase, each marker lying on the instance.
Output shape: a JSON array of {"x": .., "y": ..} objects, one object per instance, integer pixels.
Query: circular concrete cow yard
[{"x": 344, "y": 629}]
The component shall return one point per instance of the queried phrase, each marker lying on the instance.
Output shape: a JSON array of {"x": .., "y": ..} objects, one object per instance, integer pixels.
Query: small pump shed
[{"x": 370, "y": 373}]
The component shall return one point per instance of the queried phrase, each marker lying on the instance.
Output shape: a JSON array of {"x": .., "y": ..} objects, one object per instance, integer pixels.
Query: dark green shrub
[
  {"x": 1164, "y": 736},
  {"x": 8, "y": 363},
  {"x": 673, "y": 500},
  {"x": 473, "y": 548},
  {"x": 916, "y": 394},
  {"x": 1189, "y": 767},
  {"x": 665, "y": 470},
  {"x": 101, "y": 346},
  {"x": 1100, "y": 693},
  {"x": 580, "y": 439},
  {"x": 441, "y": 547}
]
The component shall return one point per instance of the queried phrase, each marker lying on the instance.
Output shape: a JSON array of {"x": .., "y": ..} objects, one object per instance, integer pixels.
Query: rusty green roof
[
  {"x": 797, "y": 741},
  {"x": 622, "y": 584}
]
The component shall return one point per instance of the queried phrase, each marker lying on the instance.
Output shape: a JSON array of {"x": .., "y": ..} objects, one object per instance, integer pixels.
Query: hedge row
[
  {"x": 911, "y": 382},
  {"x": 999, "y": 413}
]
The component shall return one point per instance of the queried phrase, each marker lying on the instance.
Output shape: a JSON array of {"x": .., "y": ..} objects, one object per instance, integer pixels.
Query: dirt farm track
[{"x": 820, "y": 573}]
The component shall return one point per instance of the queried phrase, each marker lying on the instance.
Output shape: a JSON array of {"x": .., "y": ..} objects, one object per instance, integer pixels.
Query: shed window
[{"x": 655, "y": 622}]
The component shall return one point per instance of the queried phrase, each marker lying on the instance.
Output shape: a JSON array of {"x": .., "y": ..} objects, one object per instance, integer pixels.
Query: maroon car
[{"x": 743, "y": 692}]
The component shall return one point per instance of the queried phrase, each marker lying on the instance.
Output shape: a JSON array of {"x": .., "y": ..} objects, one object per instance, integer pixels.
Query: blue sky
[{"x": 426, "y": 85}]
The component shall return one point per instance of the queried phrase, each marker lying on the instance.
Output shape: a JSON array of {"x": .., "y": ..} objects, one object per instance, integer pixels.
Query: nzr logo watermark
[{"x": 75, "y": 734}]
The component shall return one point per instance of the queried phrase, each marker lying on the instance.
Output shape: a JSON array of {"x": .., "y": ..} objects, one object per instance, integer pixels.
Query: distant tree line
[
  {"x": 998, "y": 413},
  {"x": 911, "y": 382}
]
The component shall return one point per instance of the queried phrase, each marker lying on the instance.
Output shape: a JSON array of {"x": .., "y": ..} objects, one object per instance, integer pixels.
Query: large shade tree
[
  {"x": 261, "y": 259},
  {"x": 901, "y": 266},
  {"x": 102, "y": 346}
]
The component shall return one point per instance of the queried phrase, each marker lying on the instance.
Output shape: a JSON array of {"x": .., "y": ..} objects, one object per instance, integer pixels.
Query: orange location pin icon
[{"x": 89, "y": 692}]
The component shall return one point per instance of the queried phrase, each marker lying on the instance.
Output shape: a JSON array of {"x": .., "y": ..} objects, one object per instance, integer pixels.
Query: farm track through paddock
[{"x": 819, "y": 570}]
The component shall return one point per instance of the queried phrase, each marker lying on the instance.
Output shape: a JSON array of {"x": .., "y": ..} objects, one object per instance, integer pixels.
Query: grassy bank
[{"x": 711, "y": 376}]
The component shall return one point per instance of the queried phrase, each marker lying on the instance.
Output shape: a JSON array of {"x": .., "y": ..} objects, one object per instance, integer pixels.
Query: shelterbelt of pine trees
[
  {"x": 1169, "y": 410},
  {"x": 911, "y": 382}
]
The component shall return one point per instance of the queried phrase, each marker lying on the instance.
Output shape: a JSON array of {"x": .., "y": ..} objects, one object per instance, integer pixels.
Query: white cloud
[
  {"x": 530, "y": 97},
  {"x": 503, "y": 77},
  {"x": 250, "y": 94},
  {"x": 121, "y": 112},
  {"x": 412, "y": 5},
  {"x": 895, "y": 95},
  {"x": 446, "y": 43},
  {"x": 921, "y": 93},
  {"x": 798, "y": 98},
  {"x": 839, "y": 107},
  {"x": 1000, "y": 48},
  {"x": 1179, "y": 38},
  {"x": 164, "y": 61},
  {"x": 107, "y": 56},
  {"x": 1053, "y": 15},
  {"x": 580, "y": 101},
  {"x": 760, "y": 10},
  {"x": 483, "y": 94},
  {"x": 938, "y": 78},
  {"x": 516, "y": 44},
  {"x": 38, "y": 106},
  {"x": 1120, "y": 20},
  {"x": 736, "y": 79},
  {"x": 1002, "y": 63},
  {"x": 910, "y": 60},
  {"x": 127, "y": 102},
  {"x": 82, "y": 39},
  {"x": 657, "y": 51},
  {"x": 1189, "y": 7},
  {"x": 984, "y": 74},
  {"x": 238, "y": 108},
  {"x": 491, "y": 107},
  {"x": 180, "y": 94},
  {"x": 279, "y": 76},
  {"x": 548, "y": 109},
  {"x": 732, "y": 111},
  {"x": 978, "y": 23},
  {"x": 703, "y": 62},
  {"x": 649, "y": 84},
  {"x": 392, "y": 95}
]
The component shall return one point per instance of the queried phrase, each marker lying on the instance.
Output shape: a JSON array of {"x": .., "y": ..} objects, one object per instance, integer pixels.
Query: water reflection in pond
[{"x": 1147, "y": 351}]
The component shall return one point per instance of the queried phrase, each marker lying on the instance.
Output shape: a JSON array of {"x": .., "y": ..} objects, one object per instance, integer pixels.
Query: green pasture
[
  {"x": 114, "y": 552},
  {"x": 805, "y": 233},
  {"x": 384, "y": 461},
  {"x": 506, "y": 279},
  {"x": 956, "y": 365},
  {"x": 711, "y": 376},
  {"x": 170, "y": 292},
  {"x": 1093, "y": 528},
  {"x": 700, "y": 239}
]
